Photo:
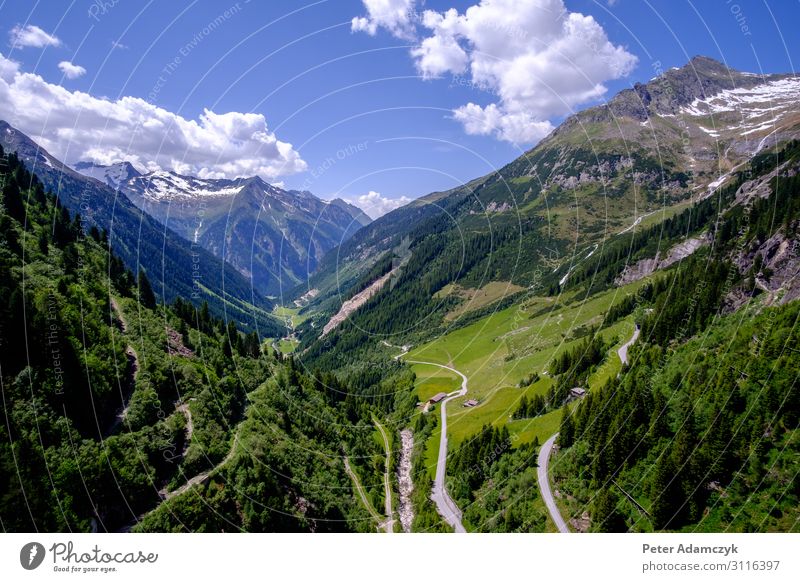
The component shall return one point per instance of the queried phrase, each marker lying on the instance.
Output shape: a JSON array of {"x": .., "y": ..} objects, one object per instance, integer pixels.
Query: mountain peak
[
  {"x": 358, "y": 215},
  {"x": 706, "y": 63},
  {"x": 113, "y": 175},
  {"x": 665, "y": 94}
]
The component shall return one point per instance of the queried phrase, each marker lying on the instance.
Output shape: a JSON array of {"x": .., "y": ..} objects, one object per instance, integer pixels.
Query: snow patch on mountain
[
  {"x": 746, "y": 99},
  {"x": 113, "y": 175},
  {"x": 163, "y": 185},
  {"x": 760, "y": 107}
]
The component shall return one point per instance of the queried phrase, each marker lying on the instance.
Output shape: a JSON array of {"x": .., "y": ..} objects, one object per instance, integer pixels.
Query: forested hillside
[
  {"x": 703, "y": 436},
  {"x": 700, "y": 433},
  {"x": 114, "y": 403}
]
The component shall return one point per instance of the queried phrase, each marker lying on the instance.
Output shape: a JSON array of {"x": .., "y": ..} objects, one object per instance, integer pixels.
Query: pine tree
[
  {"x": 43, "y": 242},
  {"x": 606, "y": 516},
  {"x": 204, "y": 318},
  {"x": 663, "y": 509},
  {"x": 146, "y": 296},
  {"x": 183, "y": 329},
  {"x": 12, "y": 200}
]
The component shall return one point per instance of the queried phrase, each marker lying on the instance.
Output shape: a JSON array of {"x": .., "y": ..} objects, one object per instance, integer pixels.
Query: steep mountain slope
[
  {"x": 273, "y": 237},
  {"x": 718, "y": 243},
  {"x": 695, "y": 428},
  {"x": 652, "y": 148},
  {"x": 117, "y": 410},
  {"x": 175, "y": 267}
]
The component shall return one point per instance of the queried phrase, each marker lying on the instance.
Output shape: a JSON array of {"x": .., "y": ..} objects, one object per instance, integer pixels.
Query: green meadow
[{"x": 498, "y": 351}]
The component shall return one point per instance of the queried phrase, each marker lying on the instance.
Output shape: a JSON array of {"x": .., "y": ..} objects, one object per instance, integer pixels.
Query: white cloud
[
  {"x": 376, "y": 205},
  {"x": 8, "y": 69},
  {"x": 536, "y": 57},
  {"x": 440, "y": 54},
  {"x": 396, "y": 16},
  {"x": 33, "y": 36},
  {"x": 76, "y": 126},
  {"x": 490, "y": 120},
  {"x": 70, "y": 70}
]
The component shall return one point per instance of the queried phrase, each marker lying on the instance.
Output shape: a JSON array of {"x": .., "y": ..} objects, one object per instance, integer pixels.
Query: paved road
[
  {"x": 542, "y": 473},
  {"x": 444, "y": 503},
  {"x": 387, "y": 483},
  {"x": 623, "y": 351}
]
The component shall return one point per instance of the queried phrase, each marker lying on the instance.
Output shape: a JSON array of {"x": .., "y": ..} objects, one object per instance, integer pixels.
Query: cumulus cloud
[
  {"x": 76, "y": 126},
  {"x": 536, "y": 57},
  {"x": 440, "y": 54},
  {"x": 33, "y": 36},
  {"x": 396, "y": 16},
  {"x": 376, "y": 205},
  {"x": 8, "y": 69},
  {"x": 70, "y": 70},
  {"x": 518, "y": 127}
]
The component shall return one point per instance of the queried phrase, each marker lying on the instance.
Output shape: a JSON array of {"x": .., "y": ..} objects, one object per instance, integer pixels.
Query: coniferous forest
[{"x": 112, "y": 402}]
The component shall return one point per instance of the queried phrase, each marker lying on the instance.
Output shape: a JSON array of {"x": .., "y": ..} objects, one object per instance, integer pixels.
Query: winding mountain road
[
  {"x": 542, "y": 472},
  {"x": 403, "y": 349},
  {"x": 444, "y": 503},
  {"x": 622, "y": 352}
]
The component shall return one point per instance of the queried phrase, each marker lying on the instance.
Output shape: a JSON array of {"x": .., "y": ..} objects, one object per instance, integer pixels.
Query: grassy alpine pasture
[
  {"x": 498, "y": 351},
  {"x": 287, "y": 346},
  {"x": 431, "y": 380},
  {"x": 290, "y": 314},
  {"x": 473, "y": 299}
]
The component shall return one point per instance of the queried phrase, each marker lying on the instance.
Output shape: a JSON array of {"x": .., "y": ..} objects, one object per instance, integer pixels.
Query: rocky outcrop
[
  {"x": 355, "y": 302},
  {"x": 645, "y": 267},
  {"x": 779, "y": 274}
]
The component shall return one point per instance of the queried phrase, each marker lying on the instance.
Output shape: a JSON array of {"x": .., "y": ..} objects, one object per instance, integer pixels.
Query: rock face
[
  {"x": 667, "y": 93},
  {"x": 355, "y": 302},
  {"x": 113, "y": 175},
  {"x": 646, "y": 267},
  {"x": 779, "y": 276}
]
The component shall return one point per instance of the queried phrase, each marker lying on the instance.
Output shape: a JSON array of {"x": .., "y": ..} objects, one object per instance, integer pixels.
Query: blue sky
[{"x": 353, "y": 104}]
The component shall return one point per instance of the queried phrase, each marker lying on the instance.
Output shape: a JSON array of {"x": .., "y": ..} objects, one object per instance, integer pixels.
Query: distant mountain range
[
  {"x": 174, "y": 266},
  {"x": 272, "y": 236}
]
